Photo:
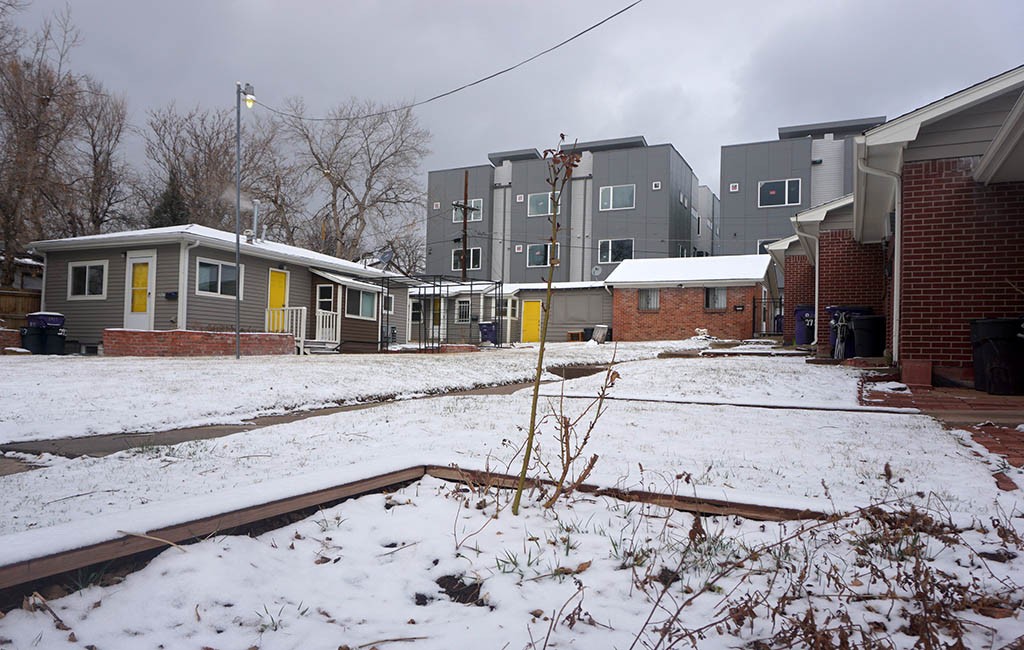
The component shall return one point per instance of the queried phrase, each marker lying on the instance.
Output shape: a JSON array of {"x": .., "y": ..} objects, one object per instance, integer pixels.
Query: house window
[
  {"x": 539, "y": 204},
  {"x": 618, "y": 197},
  {"x": 215, "y": 278},
  {"x": 388, "y": 303},
  {"x": 474, "y": 259},
  {"x": 540, "y": 255},
  {"x": 415, "y": 311},
  {"x": 325, "y": 297},
  {"x": 476, "y": 212},
  {"x": 649, "y": 299},
  {"x": 772, "y": 194},
  {"x": 87, "y": 280},
  {"x": 510, "y": 308},
  {"x": 714, "y": 298},
  {"x": 462, "y": 310},
  {"x": 360, "y": 304},
  {"x": 611, "y": 251}
]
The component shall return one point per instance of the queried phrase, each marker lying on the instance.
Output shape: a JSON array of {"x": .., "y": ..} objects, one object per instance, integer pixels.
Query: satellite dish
[
  {"x": 386, "y": 256},
  {"x": 596, "y": 271}
]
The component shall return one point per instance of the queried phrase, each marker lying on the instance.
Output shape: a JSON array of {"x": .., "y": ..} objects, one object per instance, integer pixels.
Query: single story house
[
  {"x": 932, "y": 235},
  {"x": 670, "y": 298},
  {"x": 575, "y": 308},
  {"x": 184, "y": 279}
]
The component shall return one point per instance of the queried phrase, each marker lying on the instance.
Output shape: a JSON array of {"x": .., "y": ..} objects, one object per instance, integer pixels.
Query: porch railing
[
  {"x": 327, "y": 326},
  {"x": 291, "y": 320}
]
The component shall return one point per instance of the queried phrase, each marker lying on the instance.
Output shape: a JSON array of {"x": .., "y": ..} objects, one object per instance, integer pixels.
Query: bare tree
[
  {"x": 279, "y": 182},
  {"x": 407, "y": 246},
  {"x": 365, "y": 159},
  {"x": 38, "y": 98}
]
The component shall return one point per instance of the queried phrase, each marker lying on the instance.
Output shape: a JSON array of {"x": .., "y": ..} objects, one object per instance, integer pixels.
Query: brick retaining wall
[{"x": 185, "y": 343}]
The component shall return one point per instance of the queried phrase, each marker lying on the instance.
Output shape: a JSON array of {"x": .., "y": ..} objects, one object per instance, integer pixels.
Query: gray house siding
[
  {"x": 399, "y": 318},
  {"x": 530, "y": 177},
  {"x": 571, "y": 311},
  {"x": 86, "y": 319},
  {"x": 444, "y": 235},
  {"x": 967, "y": 133}
]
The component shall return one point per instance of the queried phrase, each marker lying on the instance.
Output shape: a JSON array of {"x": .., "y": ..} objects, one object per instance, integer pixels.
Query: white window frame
[
  {"x": 387, "y": 303},
  {"x": 360, "y": 315},
  {"x": 558, "y": 195},
  {"x": 474, "y": 215},
  {"x": 653, "y": 302},
  {"x": 611, "y": 198},
  {"x": 87, "y": 296},
  {"x": 548, "y": 258},
  {"x": 413, "y": 311},
  {"x": 461, "y": 303},
  {"x": 718, "y": 291},
  {"x": 474, "y": 251},
  {"x": 607, "y": 259},
  {"x": 220, "y": 276},
  {"x": 319, "y": 299},
  {"x": 510, "y": 309},
  {"x": 787, "y": 181}
]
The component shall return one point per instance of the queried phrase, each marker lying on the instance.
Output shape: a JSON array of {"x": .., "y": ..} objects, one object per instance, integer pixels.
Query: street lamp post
[{"x": 241, "y": 92}]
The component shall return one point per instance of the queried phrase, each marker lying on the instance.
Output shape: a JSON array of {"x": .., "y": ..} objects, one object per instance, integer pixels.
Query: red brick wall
[
  {"x": 851, "y": 274},
  {"x": 680, "y": 312},
  {"x": 10, "y": 338},
  {"x": 963, "y": 243},
  {"x": 799, "y": 291},
  {"x": 184, "y": 343}
]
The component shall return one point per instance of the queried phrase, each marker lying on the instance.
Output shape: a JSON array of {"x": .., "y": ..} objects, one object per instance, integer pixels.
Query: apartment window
[
  {"x": 540, "y": 255},
  {"x": 618, "y": 197},
  {"x": 215, "y": 278},
  {"x": 649, "y": 299},
  {"x": 415, "y": 311},
  {"x": 714, "y": 298},
  {"x": 360, "y": 304},
  {"x": 87, "y": 280},
  {"x": 474, "y": 259},
  {"x": 462, "y": 310},
  {"x": 539, "y": 204},
  {"x": 476, "y": 212},
  {"x": 611, "y": 251},
  {"x": 772, "y": 194},
  {"x": 388, "y": 305},
  {"x": 325, "y": 297},
  {"x": 510, "y": 308},
  {"x": 696, "y": 215}
]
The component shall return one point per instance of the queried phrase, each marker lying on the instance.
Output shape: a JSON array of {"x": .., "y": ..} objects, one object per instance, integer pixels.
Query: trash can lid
[{"x": 45, "y": 313}]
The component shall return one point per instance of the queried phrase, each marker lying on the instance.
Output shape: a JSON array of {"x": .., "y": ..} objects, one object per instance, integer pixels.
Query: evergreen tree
[{"x": 170, "y": 210}]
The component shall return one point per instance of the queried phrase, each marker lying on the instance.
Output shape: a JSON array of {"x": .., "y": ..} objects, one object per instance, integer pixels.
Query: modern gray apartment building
[
  {"x": 626, "y": 200},
  {"x": 763, "y": 184}
]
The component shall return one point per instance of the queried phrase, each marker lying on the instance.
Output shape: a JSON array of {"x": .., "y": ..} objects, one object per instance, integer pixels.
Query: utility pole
[{"x": 466, "y": 209}]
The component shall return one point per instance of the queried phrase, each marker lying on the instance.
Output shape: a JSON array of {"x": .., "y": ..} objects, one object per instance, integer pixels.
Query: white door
[{"x": 139, "y": 290}]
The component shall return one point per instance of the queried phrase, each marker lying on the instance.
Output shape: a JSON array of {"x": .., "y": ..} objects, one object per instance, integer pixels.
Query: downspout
[
  {"x": 817, "y": 276},
  {"x": 897, "y": 251},
  {"x": 183, "y": 283}
]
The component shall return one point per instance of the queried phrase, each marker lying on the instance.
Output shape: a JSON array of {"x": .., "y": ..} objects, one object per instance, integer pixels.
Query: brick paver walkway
[{"x": 992, "y": 420}]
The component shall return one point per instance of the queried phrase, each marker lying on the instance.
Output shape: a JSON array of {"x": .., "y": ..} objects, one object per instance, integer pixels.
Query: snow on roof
[
  {"x": 206, "y": 235},
  {"x": 695, "y": 271},
  {"x": 509, "y": 289}
]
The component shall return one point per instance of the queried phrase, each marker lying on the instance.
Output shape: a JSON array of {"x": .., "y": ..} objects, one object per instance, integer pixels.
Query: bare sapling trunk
[{"x": 560, "y": 167}]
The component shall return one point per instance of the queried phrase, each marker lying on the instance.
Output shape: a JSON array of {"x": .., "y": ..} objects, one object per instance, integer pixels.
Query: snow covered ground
[{"x": 237, "y": 592}]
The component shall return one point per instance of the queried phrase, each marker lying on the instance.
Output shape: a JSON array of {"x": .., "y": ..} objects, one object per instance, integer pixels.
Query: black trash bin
[
  {"x": 488, "y": 332},
  {"x": 56, "y": 338},
  {"x": 52, "y": 326},
  {"x": 868, "y": 335},
  {"x": 588, "y": 333},
  {"x": 998, "y": 355},
  {"x": 33, "y": 339},
  {"x": 840, "y": 324}
]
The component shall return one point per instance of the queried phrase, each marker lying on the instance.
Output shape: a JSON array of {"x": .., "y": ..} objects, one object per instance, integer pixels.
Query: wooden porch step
[{"x": 320, "y": 347}]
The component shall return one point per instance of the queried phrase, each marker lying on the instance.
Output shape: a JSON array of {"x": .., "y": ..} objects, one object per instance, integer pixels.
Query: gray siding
[
  {"x": 443, "y": 189},
  {"x": 967, "y": 133},
  {"x": 86, "y": 319},
  {"x": 571, "y": 310},
  {"x": 400, "y": 318}
]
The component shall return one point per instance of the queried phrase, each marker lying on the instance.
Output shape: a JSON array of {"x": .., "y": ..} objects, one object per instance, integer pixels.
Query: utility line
[{"x": 454, "y": 90}]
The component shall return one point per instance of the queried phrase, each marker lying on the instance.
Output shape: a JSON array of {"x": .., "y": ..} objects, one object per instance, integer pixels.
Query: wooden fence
[{"x": 15, "y": 303}]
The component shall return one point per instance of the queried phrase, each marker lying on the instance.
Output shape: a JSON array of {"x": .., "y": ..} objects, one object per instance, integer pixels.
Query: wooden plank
[
  {"x": 674, "y": 501},
  {"x": 37, "y": 568}
]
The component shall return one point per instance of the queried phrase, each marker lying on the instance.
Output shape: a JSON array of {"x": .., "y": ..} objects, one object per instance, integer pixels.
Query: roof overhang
[
  {"x": 807, "y": 224},
  {"x": 874, "y": 186},
  {"x": 347, "y": 281},
  {"x": 778, "y": 249},
  {"x": 1004, "y": 160}
]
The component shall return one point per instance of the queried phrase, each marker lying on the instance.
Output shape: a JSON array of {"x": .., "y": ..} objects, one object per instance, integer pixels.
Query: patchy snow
[{"x": 45, "y": 397}]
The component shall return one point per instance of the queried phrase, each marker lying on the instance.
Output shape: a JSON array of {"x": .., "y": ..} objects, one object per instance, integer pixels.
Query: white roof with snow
[
  {"x": 215, "y": 239},
  {"x": 721, "y": 271}
]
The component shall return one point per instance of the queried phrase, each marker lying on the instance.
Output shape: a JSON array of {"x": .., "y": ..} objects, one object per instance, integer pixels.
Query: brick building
[
  {"x": 932, "y": 235},
  {"x": 665, "y": 299}
]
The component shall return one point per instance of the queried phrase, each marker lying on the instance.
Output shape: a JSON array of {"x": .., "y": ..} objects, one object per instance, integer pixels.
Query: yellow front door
[
  {"x": 140, "y": 287},
  {"x": 138, "y": 290},
  {"x": 277, "y": 299},
  {"x": 531, "y": 321}
]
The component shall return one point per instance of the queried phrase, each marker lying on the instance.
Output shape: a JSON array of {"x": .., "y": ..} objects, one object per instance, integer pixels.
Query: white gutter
[
  {"x": 183, "y": 283},
  {"x": 897, "y": 250},
  {"x": 817, "y": 276}
]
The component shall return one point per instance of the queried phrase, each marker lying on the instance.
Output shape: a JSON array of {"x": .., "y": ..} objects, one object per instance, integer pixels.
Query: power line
[{"x": 460, "y": 88}]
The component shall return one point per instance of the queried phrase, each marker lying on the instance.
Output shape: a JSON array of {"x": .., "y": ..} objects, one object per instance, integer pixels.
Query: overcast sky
[{"x": 697, "y": 73}]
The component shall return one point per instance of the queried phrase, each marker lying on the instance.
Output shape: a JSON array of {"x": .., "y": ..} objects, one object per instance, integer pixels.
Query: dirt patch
[
  {"x": 10, "y": 466},
  {"x": 467, "y": 593},
  {"x": 575, "y": 372}
]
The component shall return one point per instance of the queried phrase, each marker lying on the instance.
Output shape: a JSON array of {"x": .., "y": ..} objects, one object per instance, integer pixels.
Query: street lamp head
[{"x": 249, "y": 95}]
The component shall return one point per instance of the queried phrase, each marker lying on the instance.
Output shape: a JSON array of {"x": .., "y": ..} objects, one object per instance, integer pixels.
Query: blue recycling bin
[
  {"x": 488, "y": 332},
  {"x": 803, "y": 316},
  {"x": 841, "y": 324}
]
